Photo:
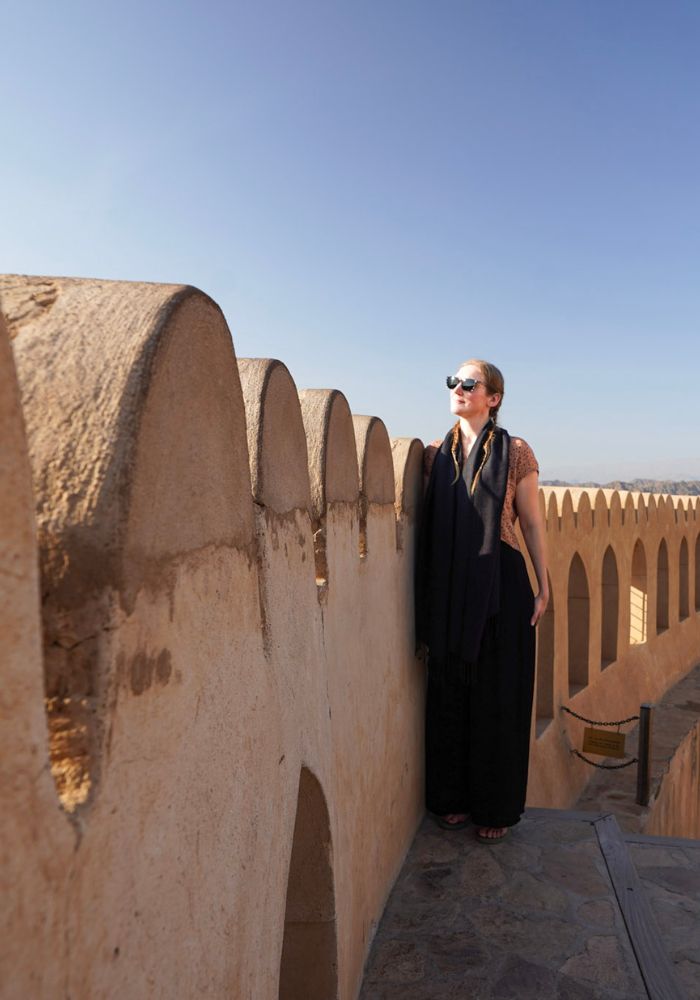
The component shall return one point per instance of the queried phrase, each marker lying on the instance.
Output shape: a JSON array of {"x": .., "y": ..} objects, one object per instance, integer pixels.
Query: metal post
[{"x": 644, "y": 754}]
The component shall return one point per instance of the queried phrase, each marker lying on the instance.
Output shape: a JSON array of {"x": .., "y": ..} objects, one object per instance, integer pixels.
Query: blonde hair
[{"x": 493, "y": 383}]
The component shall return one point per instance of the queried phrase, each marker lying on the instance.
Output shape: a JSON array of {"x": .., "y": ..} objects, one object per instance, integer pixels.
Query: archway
[
  {"x": 610, "y": 597},
  {"x": 662, "y": 588},
  {"x": 579, "y": 617},
  {"x": 683, "y": 581},
  {"x": 638, "y": 596},
  {"x": 309, "y": 963}
]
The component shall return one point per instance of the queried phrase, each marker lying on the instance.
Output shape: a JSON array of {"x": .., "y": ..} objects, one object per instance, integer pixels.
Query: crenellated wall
[
  {"x": 236, "y": 743},
  {"x": 211, "y": 704},
  {"x": 623, "y": 624}
]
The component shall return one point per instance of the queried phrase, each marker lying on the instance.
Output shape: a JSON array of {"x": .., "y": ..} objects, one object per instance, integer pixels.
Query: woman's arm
[{"x": 528, "y": 507}]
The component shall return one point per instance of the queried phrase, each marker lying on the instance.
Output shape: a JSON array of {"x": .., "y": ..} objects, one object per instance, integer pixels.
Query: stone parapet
[{"x": 212, "y": 737}]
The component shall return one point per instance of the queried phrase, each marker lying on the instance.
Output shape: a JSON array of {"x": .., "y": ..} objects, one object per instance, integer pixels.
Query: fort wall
[
  {"x": 676, "y": 808},
  {"x": 212, "y": 706},
  {"x": 223, "y": 726},
  {"x": 623, "y": 623}
]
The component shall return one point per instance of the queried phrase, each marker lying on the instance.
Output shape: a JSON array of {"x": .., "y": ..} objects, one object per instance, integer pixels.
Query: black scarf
[{"x": 458, "y": 556}]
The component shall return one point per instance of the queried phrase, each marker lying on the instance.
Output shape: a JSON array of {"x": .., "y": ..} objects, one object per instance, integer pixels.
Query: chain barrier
[
  {"x": 592, "y": 722},
  {"x": 632, "y": 718},
  {"x": 644, "y": 748},
  {"x": 606, "y": 767}
]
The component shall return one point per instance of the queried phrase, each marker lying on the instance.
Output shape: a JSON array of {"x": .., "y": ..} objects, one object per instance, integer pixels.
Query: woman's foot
[
  {"x": 453, "y": 821},
  {"x": 491, "y": 832}
]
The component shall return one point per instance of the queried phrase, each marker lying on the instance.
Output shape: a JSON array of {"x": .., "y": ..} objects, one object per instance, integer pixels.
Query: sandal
[
  {"x": 446, "y": 825},
  {"x": 491, "y": 840}
]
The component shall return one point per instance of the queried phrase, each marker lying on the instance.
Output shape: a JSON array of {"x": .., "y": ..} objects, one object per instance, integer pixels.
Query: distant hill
[{"x": 683, "y": 488}]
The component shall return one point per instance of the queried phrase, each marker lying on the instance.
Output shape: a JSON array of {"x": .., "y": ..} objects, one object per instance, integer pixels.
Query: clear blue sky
[{"x": 374, "y": 190}]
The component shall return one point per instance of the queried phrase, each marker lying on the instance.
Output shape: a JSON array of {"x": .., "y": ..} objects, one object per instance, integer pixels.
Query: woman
[{"x": 475, "y": 610}]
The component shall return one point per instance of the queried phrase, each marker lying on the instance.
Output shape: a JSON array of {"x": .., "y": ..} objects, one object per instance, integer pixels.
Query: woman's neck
[{"x": 471, "y": 427}]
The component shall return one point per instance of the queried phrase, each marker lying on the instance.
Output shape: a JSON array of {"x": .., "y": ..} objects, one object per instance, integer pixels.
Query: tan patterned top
[{"x": 521, "y": 461}]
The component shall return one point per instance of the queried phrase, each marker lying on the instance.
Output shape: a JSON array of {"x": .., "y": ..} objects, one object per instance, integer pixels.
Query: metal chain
[
  {"x": 606, "y": 767},
  {"x": 592, "y": 723}
]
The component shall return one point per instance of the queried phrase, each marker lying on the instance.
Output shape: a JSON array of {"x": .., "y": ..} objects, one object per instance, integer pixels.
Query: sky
[{"x": 376, "y": 190}]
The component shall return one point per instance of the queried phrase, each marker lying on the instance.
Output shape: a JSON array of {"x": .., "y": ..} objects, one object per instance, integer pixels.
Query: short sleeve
[{"x": 525, "y": 461}]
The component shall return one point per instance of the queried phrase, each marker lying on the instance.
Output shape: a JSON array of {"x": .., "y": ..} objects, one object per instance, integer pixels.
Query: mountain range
[{"x": 677, "y": 488}]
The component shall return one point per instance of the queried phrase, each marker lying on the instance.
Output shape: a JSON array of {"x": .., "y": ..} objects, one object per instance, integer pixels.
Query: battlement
[
  {"x": 214, "y": 654},
  {"x": 569, "y": 508},
  {"x": 213, "y": 710},
  {"x": 621, "y": 626}
]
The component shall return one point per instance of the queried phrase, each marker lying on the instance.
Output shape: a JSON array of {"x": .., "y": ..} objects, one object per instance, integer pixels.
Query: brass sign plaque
[{"x": 603, "y": 743}]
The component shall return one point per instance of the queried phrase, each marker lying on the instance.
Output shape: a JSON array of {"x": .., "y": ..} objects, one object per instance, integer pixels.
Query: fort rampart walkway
[
  {"x": 568, "y": 907},
  {"x": 211, "y": 704}
]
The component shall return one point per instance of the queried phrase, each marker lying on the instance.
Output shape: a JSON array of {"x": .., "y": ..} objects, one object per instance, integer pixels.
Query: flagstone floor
[{"x": 534, "y": 916}]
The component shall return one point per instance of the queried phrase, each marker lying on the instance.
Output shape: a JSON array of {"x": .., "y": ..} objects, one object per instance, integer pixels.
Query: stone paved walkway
[
  {"x": 534, "y": 916},
  {"x": 670, "y": 873}
]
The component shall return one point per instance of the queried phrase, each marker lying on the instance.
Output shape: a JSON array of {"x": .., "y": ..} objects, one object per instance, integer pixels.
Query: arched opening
[
  {"x": 579, "y": 615},
  {"x": 697, "y": 573},
  {"x": 610, "y": 597},
  {"x": 309, "y": 964},
  {"x": 662, "y": 588},
  {"x": 638, "y": 596},
  {"x": 544, "y": 709},
  {"x": 683, "y": 582}
]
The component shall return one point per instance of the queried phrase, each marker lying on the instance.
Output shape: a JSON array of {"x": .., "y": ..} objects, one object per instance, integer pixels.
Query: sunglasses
[{"x": 468, "y": 384}]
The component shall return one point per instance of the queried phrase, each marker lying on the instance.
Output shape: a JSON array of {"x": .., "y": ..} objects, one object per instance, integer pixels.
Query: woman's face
[{"x": 474, "y": 404}]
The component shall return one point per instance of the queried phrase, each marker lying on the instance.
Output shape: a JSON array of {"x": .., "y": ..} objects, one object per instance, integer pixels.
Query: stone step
[{"x": 539, "y": 915}]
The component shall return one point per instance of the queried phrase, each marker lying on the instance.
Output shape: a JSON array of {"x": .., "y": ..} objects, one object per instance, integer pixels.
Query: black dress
[{"x": 478, "y": 727}]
